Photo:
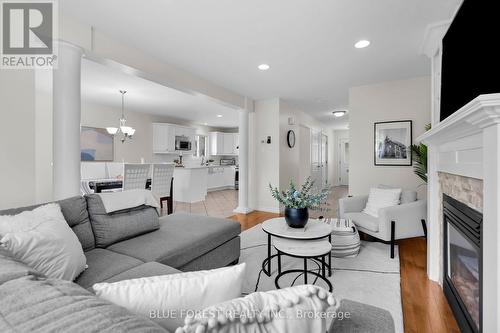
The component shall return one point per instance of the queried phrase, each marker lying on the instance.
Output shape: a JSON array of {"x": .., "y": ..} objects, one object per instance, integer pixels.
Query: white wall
[
  {"x": 276, "y": 163},
  {"x": 293, "y": 161},
  {"x": 266, "y": 167},
  {"x": 17, "y": 138},
  {"x": 397, "y": 100}
]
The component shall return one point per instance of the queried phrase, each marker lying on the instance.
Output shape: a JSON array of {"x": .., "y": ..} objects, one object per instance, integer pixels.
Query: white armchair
[{"x": 406, "y": 220}]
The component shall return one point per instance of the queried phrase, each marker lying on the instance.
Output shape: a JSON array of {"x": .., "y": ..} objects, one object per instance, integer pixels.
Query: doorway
[{"x": 343, "y": 162}]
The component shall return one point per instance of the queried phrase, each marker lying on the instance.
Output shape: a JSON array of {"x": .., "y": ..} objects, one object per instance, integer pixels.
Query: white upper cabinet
[
  {"x": 223, "y": 143},
  {"x": 228, "y": 143},
  {"x": 164, "y": 137},
  {"x": 236, "y": 143}
]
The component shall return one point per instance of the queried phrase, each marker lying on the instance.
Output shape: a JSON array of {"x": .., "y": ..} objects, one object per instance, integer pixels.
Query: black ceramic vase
[{"x": 296, "y": 218}]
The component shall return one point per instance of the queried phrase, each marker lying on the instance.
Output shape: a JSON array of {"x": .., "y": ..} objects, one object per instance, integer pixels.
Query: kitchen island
[{"x": 190, "y": 184}]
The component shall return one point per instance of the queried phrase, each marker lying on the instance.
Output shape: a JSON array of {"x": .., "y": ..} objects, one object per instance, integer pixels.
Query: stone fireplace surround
[{"x": 464, "y": 162}]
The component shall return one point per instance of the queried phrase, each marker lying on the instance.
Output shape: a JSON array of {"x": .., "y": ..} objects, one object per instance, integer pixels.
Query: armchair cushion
[
  {"x": 364, "y": 220},
  {"x": 352, "y": 205},
  {"x": 380, "y": 198},
  {"x": 407, "y": 196},
  {"x": 407, "y": 217}
]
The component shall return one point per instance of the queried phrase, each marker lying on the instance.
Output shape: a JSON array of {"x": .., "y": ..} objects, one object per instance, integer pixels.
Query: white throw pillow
[
  {"x": 168, "y": 299},
  {"x": 381, "y": 198},
  {"x": 297, "y": 309},
  {"x": 42, "y": 239}
]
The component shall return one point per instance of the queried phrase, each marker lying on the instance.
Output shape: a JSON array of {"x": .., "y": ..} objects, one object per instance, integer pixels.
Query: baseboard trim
[
  {"x": 268, "y": 209},
  {"x": 243, "y": 210}
]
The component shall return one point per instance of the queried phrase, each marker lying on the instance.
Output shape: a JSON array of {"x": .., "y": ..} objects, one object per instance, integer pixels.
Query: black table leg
[
  {"x": 268, "y": 254},
  {"x": 323, "y": 265},
  {"x": 305, "y": 270},
  {"x": 279, "y": 262},
  {"x": 330, "y": 257}
]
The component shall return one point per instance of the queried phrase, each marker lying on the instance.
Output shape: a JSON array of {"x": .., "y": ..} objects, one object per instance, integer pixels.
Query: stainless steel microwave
[{"x": 182, "y": 143}]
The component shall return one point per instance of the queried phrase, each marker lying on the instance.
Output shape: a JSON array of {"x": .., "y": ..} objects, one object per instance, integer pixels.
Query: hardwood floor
[{"x": 425, "y": 308}]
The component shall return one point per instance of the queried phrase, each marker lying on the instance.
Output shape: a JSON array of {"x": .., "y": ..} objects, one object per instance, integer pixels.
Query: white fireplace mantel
[
  {"x": 467, "y": 143},
  {"x": 471, "y": 119}
]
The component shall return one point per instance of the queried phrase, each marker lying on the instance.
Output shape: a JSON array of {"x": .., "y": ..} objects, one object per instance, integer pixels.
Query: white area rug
[{"x": 372, "y": 277}]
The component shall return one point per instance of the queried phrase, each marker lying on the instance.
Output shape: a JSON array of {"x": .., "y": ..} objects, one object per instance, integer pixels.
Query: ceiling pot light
[
  {"x": 362, "y": 44},
  {"x": 219, "y": 116},
  {"x": 264, "y": 67},
  {"x": 339, "y": 114}
]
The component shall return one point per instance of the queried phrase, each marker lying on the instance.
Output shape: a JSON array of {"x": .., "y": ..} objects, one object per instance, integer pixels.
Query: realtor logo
[{"x": 28, "y": 34}]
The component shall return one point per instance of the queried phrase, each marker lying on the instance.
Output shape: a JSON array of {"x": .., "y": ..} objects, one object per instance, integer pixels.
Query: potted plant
[
  {"x": 419, "y": 156},
  {"x": 297, "y": 202}
]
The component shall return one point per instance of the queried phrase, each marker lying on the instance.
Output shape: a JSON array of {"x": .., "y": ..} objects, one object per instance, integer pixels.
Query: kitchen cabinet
[
  {"x": 228, "y": 175},
  {"x": 228, "y": 143},
  {"x": 220, "y": 177},
  {"x": 216, "y": 143},
  {"x": 164, "y": 137},
  {"x": 236, "y": 143},
  {"x": 224, "y": 143}
]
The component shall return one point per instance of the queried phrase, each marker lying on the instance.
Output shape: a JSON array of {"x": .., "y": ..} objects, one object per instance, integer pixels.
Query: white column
[
  {"x": 434, "y": 234},
  {"x": 66, "y": 121},
  {"x": 243, "y": 160},
  {"x": 491, "y": 229}
]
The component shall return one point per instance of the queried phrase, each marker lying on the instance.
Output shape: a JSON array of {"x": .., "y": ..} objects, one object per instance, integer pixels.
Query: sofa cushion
[
  {"x": 12, "y": 268},
  {"x": 110, "y": 228},
  {"x": 29, "y": 304},
  {"x": 104, "y": 264},
  {"x": 362, "y": 318},
  {"x": 75, "y": 213},
  {"x": 180, "y": 239},
  {"x": 363, "y": 220},
  {"x": 145, "y": 270}
]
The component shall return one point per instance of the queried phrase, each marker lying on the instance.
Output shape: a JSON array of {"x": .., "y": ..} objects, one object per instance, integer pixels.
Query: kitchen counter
[{"x": 190, "y": 184}]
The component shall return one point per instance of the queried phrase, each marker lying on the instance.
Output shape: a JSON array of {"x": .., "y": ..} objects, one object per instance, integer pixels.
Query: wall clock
[{"x": 290, "y": 138}]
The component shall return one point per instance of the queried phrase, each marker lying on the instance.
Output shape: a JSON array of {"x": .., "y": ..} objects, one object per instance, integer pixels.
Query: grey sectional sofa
[
  {"x": 30, "y": 302},
  {"x": 181, "y": 243}
]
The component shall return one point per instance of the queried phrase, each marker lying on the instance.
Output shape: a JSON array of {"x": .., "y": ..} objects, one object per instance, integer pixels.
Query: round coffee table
[
  {"x": 315, "y": 250},
  {"x": 313, "y": 231}
]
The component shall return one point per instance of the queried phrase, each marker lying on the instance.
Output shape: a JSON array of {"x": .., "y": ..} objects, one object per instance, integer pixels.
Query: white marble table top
[
  {"x": 314, "y": 229},
  {"x": 303, "y": 248}
]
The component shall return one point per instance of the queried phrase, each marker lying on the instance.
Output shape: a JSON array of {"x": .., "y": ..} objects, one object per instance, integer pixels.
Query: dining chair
[
  {"x": 135, "y": 176},
  {"x": 162, "y": 184},
  {"x": 114, "y": 170}
]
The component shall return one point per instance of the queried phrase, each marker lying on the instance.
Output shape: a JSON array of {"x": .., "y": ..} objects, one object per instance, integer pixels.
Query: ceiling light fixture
[
  {"x": 264, "y": 67},
  {"x": 219, "y": 116},
  {"x": 362, "y": 44},
  {"x": 339, "y": 114},
  {"x": 127, "y": 131}
]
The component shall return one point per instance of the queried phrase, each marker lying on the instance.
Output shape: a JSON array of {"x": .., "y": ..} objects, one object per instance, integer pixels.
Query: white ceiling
[
  {"x": 101, "y": 84},
  {"x": 307, "y": 43}
]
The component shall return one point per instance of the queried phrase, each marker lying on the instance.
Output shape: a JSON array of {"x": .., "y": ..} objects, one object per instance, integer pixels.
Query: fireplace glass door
[{"x": 464, "y": 272}]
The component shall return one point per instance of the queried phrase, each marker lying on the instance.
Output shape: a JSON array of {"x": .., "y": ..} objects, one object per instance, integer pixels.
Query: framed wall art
[{"x": 392, "y": 142}]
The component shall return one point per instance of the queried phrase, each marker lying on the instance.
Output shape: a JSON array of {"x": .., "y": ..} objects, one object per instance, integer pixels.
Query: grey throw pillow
[
  {"x": 12, "y": 268},
  {"x": 117, "y": 226},
  {"x": 407, "y": 196}
]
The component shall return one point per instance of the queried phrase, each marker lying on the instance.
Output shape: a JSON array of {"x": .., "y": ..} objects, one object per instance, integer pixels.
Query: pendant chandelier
[{"x": 126, "y": 131}]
